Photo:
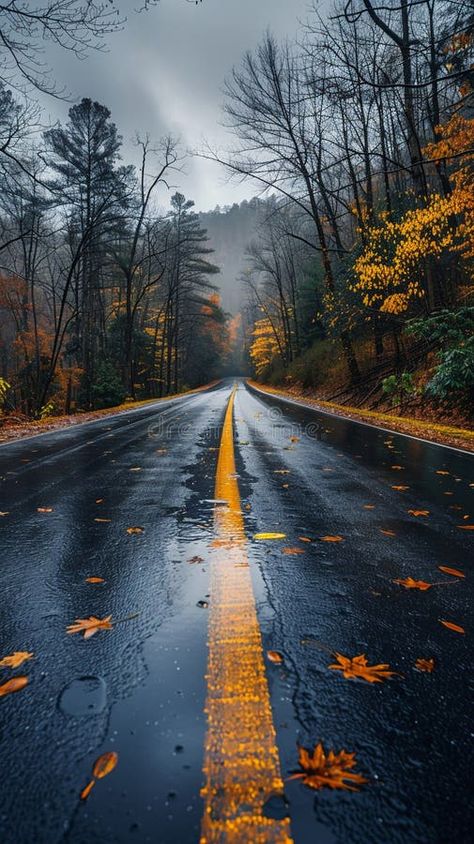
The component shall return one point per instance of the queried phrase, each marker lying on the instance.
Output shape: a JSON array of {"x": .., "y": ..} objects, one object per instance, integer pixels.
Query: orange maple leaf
[
  {"x": 354, "y": 667},
  {"x": 90, "y": 625},
  {"x": 419, "y": 512},
  {"x": 454, "y": 572},
  {"x": 275, "y": 656},
  {"x": 410, "y": 583},
  {"x": 452, "y": 626},
  {"x": 333, "y": 770},
  {"x": 330, "y": 538},
  {"x": 16, "y": 659}
]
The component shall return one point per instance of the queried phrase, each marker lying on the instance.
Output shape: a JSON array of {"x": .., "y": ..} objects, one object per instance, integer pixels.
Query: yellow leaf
[
  {"x": 269, "y": 535},
  {"x": 16, "y": 684},
  {"x": 131, "y": 530},
  {"x": 16, "y": 659}
]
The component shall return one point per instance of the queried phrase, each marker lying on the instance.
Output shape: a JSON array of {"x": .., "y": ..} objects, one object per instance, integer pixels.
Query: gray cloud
[{"x": 164, "y": 73}]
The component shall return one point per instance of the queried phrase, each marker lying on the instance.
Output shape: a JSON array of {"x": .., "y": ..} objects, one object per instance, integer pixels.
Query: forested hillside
[
  {"x": 361, "y": 282},
  {"x": 230, "y": 230}
]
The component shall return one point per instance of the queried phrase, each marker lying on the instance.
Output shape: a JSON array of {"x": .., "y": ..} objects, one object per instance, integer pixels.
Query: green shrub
[{"x": 107, "y": 389}]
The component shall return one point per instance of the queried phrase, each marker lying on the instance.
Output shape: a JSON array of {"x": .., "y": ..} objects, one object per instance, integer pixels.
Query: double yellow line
[{"x": 241, "y": 765}]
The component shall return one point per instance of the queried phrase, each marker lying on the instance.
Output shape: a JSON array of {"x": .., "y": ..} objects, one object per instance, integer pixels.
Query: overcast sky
[{"x": 165, "y": 71}]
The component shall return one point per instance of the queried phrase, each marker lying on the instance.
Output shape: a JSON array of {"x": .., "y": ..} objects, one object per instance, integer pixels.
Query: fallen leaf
[
  {"x": 369, "y": 506},
  {"x": 44, "y": 509},
  {"x": 196, "y": 559},
  {"x": 304, "y": 539},
  {"x": 354, "y": 667},
  {"x": 284, "y": 486},
  {"x": 419, "y": 512},
  {"x": 131, "y": 530},
  {"x": 330, "y": 538},
  {"x": 275, "y": 656},
  {"x": 15, "y": 659},
  {"x": 333, "y": 770},
  {"x": 103, "y": 520},
  {"x": 425, "y": 665},
  {"x": 409, "y": 583},
  {"x": 292, "y": 551},
  {"x": 441, "y": 472},
  {"x": 465, "y": 527},
  {"x": 387, "y": 532},
  {"x": 400, "y": 487},
  {"x": 454, "y": 572},
  {"x": 269, "y": 535},
  {"x": 16, "y": 684},
  {"x": 102, "y": 766},
  {"x": 99, "y": 500},
  {"x": 95, "y": 580},
  {"x": 164, "y": 450},
  {"x": 281, "y": 472},
  {"x": 135, "y": 469},
  {"x": 294, "y": 439},
  {"x": 90, "y": 625},
  {"x": 397, "y": 468},
  {"x": 452, "y": 626},
  {"x": 4, "y": 512}
]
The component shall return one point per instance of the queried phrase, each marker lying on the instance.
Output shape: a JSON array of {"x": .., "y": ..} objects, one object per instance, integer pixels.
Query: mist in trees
[{"x": 364, "y": 131}]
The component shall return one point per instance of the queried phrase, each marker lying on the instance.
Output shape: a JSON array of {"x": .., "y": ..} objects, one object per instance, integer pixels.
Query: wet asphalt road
[{"x": 139, "y": 689}]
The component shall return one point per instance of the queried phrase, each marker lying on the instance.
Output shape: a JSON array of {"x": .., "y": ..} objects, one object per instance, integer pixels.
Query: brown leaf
[
  {"x": 369, "y": 506},
  {"x": 275, "y": 656},
  {"x": 16, "y": 684},
  {"x": 465, "y": 527},
  {"x": 330, "y": 538},
  {"x": 419, "y": 512},
  {"x": 454, "y": 572},
  {"x": 137, "y": 529},
  {"x": 103, "y": 521},
  {"x": 387, "y": 532},
  {"x": 441, "y": 472},
  {"x": 99, "y": 500},
  {"x": 90, "y": 625},
  {"x": 333, "y": 770},
  {"x": 15, "y": 659},
  {"x": 294, "y": 439},
  {"x": 355, "y": 667},
  {"x": 304, "y": 539},
  {"x": 102, "y": 766},
  {"x": 196, "y": 559},
  {"x": 400, "y": 487},
  {"x": 292, "y": 551},
  {"x": 410, "y": 583},
  {"x": 95, "y": 580},
  {"x": 44, "y": 509},
  {"x": 452, "y": 626},
  {"x": 426, "y": 665}
]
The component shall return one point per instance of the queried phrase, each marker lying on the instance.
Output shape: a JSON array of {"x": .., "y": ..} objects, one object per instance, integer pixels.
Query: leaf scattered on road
[
  {"x": 410, "y": 583},
  {"x": 387, "y": 532},
  {"x": 103, "y": 521},
  {"x": 269, "y": 536},
  {"x": 400, "y": 487},
  {"x": 275, "y": 656},
  {"x": 333, "y": 770},
  {"x": 426, "y": 665},
  {"x": 292, "y": 551},
  {"x": 331, "y": 538},
  {"x": 452, "y": 626},
  {"x": 16, "y": 684},
  {"x": 44, "y": 509},
  {"x": 136, "y": 529},
  {"x": 90, "y": 626},
  {"x": 418, "y": 512},
  {"x": 454, "y": 572},
  {"x": 95, "y": 580},
  {"x": 15, "y": 659},
  {"x": 465, "y": 527},
  {"x": 357, "y": 668},
  {"x": 102, "y": 766}
]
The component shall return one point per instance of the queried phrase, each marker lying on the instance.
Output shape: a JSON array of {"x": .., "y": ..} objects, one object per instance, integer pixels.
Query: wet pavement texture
[{"x": 140, "y": 688}]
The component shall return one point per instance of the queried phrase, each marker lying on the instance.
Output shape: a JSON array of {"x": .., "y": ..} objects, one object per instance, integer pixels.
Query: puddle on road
[{"x": 83, "y": 696}]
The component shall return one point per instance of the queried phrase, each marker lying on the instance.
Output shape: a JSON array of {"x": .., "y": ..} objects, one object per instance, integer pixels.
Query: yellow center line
[{"x": 241, "y": 764}]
